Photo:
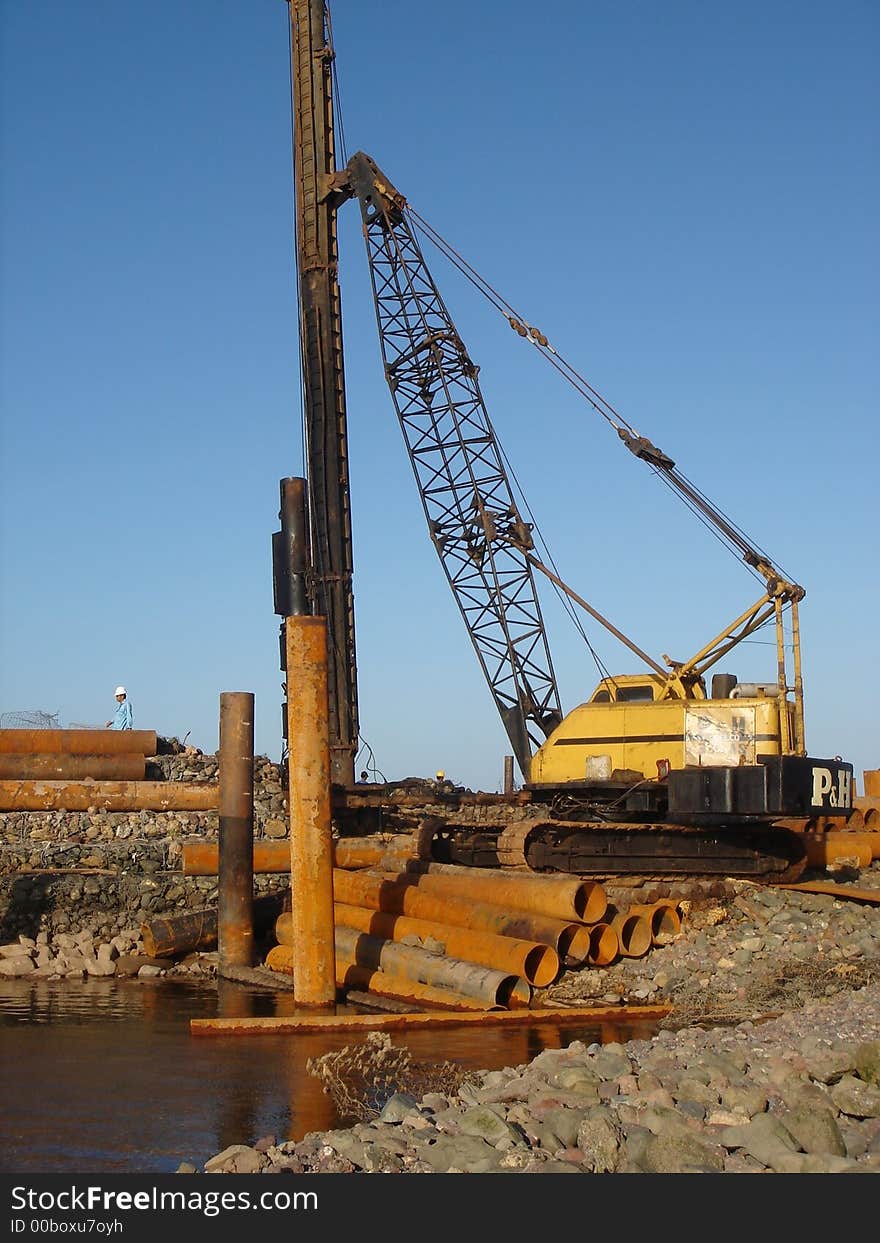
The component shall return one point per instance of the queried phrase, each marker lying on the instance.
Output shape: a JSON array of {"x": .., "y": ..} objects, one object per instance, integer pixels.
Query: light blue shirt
[{"x": 123, "y": 716}]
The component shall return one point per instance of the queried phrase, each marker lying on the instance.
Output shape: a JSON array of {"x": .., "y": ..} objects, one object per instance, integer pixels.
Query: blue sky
[{"x": 683, "y": 196}]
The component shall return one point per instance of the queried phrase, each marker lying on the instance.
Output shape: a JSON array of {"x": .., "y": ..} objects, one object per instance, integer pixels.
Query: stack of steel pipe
[
  {"x": 84, "y": 769},
  {"x": 536, "y": 962},
  {"x": 405, "y": 895},
  {"x": 460, "y": 977}
]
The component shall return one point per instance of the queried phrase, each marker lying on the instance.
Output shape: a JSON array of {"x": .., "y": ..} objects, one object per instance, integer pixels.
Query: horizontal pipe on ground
[
  {"x": 78, "y": 741},
  {"x": 570, "y": 939},
  {"x": 604, "y": 945},
  {"x": 108, "y": 796},
  {"x": 56, "y": 766},
  {"x": 633, "y": 932},
  {"x": 536, "y": 962},
  {"x": 562, "y": 897},
  {"x": 563, "y": 1016},
  {"x": 383, "y": 984},
  {"x": 663, "y": 918},
  {"x": 837, "y": 847},
  {"x": 438, "y": 970},
  {"x": 869, "y": 838},
  {"x": 193, "y": 931},
  {"x": 200, "y": 858}
]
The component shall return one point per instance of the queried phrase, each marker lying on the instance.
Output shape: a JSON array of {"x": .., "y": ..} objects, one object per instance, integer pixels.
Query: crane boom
[{"x": 475, "y": 525}]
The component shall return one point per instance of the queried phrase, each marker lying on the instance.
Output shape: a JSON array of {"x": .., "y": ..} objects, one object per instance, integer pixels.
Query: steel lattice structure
[{"x": 472, "y": 516}]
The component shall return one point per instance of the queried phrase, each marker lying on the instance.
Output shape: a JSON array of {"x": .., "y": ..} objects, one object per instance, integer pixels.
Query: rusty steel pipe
[
  {"x": 604, "y": 945},
  {"x": 199, "y": 858},
  {"x": 570, "y": 939},
  {"x": 55, "y": 766},
  {"x": 383, "y": 984},
  {"x": 235, "y": 873},
  {"x": 872, "y": 819},
  {"x": 311, "y": 849},
  {"x": 536, "y": 962},
  {"x": 633, "y": 933},
  {"x": 562, "y": 897},
  {"x": 78, "y": 741},
  {"x": 108, "y": 796},
  {"x": 438, "y": 970},
  {"x": 663, "y": 917},
  {"x": 835, "y": 847},
  {"x": 174, "y": 935}
]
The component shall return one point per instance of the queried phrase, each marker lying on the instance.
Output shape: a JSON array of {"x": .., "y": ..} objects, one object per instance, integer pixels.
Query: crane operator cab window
[{"x": 642, "y": 692}]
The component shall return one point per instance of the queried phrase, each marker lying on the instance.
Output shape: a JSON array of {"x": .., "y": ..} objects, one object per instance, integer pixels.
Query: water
[{"x": 103, "y": 1076}]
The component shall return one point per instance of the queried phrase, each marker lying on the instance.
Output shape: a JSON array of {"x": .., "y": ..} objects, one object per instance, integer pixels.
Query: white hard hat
[{"x": 120, "y": 690}]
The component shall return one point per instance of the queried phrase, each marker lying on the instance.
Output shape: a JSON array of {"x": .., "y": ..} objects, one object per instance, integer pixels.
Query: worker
[{"x": 122, "y": 718}]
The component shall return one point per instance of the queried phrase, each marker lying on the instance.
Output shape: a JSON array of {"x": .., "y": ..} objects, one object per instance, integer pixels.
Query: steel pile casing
[{"x": 308, "y": 800}]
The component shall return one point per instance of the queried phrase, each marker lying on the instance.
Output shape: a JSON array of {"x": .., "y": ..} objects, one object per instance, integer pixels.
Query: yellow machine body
[{"x": 625, "y": 727}]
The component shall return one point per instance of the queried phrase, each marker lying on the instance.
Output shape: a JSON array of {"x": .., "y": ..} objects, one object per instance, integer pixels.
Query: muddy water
[{"x": 103, "y": 1076}]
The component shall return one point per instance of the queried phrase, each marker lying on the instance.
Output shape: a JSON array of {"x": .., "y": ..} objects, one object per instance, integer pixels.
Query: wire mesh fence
[{"x": 30, "y": 720}]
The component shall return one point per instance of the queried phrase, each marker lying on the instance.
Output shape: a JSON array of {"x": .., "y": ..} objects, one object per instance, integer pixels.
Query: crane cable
[{"x": 603, "y": 408}]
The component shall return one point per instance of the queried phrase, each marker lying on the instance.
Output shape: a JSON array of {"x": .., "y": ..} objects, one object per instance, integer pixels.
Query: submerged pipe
[
  {"x": 108, "y": 796},
  {"x": 562, "y": 897},
  {"x": 536, "y": 962},
  {"x": 438, "y": 970},
  {"x": 570, "y": 939},
  {"x": 78, "y": 741}
]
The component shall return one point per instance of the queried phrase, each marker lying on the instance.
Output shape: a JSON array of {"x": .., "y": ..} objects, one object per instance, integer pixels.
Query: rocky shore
[
  {"x": 769, "y": 1060},
  {"x": 768, "y": 1063}
]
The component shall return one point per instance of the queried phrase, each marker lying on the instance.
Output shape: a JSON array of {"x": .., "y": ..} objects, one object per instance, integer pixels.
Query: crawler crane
[{"x": 655, "y": 772}]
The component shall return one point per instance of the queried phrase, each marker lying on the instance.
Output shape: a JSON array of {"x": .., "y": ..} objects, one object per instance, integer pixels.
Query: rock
[{"x": 237, "y": 1159}]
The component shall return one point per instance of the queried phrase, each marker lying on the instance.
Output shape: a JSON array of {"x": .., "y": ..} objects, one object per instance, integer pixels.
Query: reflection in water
[{"x": 103, "y": 1075}]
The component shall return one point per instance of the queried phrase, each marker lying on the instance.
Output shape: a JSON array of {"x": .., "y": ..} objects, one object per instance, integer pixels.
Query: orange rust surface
[
  {"x": 294, "y": 1024},
  {"x": 78, "y": 741},
  {"x": 108, "y": 796},
  {"x": 311, "y": 852}
]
